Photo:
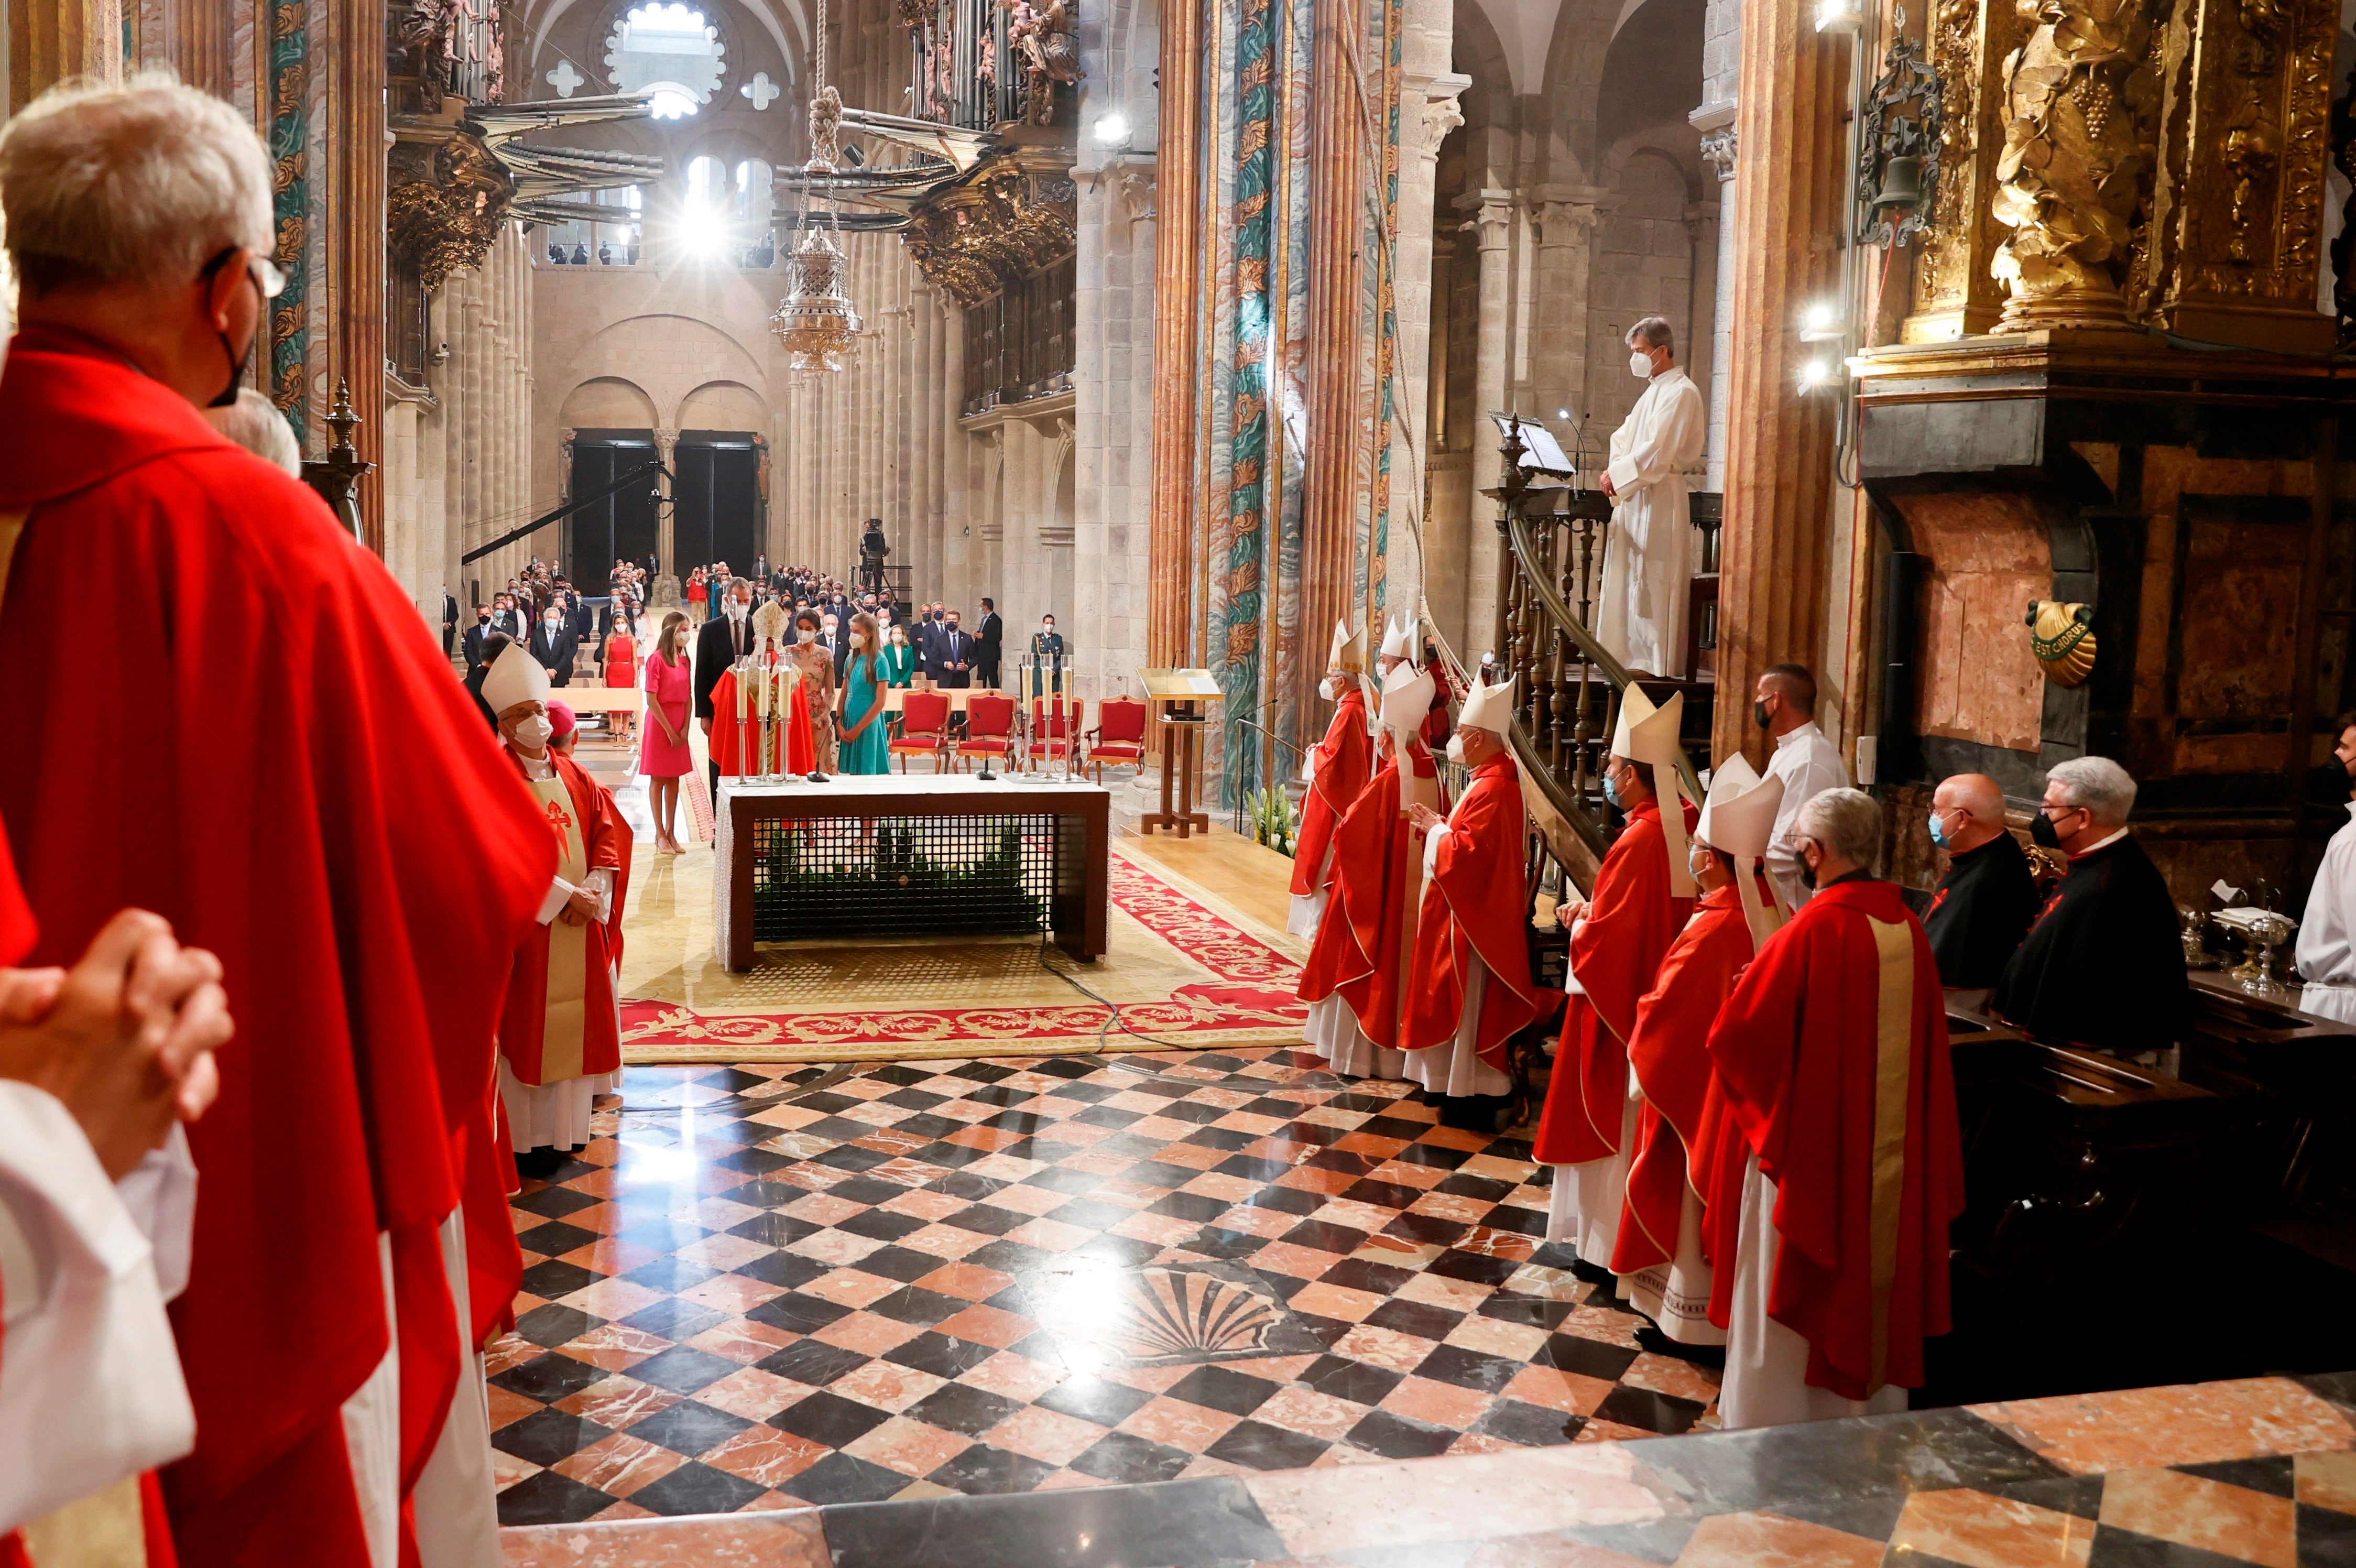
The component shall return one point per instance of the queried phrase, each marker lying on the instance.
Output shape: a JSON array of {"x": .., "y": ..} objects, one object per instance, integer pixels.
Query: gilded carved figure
[{"x": 2078, "y": 100}]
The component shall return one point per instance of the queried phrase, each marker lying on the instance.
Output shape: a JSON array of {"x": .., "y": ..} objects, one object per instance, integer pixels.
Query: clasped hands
[{"x": 124, "y": 1039}]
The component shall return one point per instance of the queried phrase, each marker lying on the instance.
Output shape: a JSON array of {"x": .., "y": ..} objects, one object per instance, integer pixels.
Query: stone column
[
  {"x": 1790, "y": 207},
  {"x": 357, "y": 134},
  {"x": 1492, "y": 222},
  {"x": 1180, "y": 158},
  {"x": 1566, "y": 218},
  {"x": 1427, "y": 109},
  {"x": 56, "y": 39},
  {"x": 1718, "y": 148},
  {"x": 667, "y": 449}
]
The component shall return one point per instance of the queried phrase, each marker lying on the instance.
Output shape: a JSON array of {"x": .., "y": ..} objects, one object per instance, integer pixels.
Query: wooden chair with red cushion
[
  {"x": 924, "y": 729},
  {"x": 1120, "y": 735},
  {"x": 1055, "y": 733},
  {"x": 988, "y": 730}
]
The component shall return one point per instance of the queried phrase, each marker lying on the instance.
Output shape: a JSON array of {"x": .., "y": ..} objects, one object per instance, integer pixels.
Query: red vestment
[
  {"x": 735, "y": 746},
  {"x": 523, "y": 1022},
  {"x": 1615, "y": 955},
  {"x": 1668, "y": 1056},
  {"x": 268, "y": 800},
  {"x": 1346, "y": 759},
  {"x": 1830, "y": 1107},
  {"x": 1357, "y": 949},
  {"x": 1476, "y": 902}
]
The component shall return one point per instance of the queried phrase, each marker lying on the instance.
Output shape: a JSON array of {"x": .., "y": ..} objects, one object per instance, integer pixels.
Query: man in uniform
[
  {"x": 1983, "y": 906},
  {"x": 1643, "y": 892}
]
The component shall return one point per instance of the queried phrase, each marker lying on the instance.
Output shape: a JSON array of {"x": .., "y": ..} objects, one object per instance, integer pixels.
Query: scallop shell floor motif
[{"x": 1166, "y": 1314}]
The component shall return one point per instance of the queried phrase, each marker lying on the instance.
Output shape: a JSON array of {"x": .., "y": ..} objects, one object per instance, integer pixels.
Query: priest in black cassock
[
  {"x": 1982, "y": 908},
  {"x": 2102, "y": 965}
]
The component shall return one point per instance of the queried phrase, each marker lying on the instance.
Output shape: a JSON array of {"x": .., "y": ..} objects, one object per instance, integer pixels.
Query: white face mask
[
  {"x": 858, "y": 639},
  {"x": 1331, "y": 688},
  {"x": 738, "y": 610},
  {"x": 533, "y": 734},
  {"x": 807, "y": 635},
  {"x": 1456, "y": 748},
  {"x": 1639, "y": 365}
]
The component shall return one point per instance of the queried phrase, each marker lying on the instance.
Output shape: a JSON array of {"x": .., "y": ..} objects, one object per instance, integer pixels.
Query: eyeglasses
[{"x": 261, "y": 268}]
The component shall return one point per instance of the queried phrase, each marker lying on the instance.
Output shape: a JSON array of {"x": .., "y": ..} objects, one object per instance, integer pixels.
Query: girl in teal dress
[
  {"x": 864, "y": 748},
  {"x": 899, "y": 659}
]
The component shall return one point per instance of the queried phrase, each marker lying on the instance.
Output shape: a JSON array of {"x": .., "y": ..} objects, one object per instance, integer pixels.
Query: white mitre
[
  {"x": 1406, "y": 699},
  {"x": 1490, "y": 708},
  {"x": 1398, "y": 641},
  {"x": 1739, "y": 817},
  {"x": 515, "y": 676},
  {"x": 1649, "y": 735},
  {"x": 1349, "y": 652}
]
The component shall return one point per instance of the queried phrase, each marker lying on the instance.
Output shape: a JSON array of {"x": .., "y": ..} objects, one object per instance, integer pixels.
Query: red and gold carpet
[{"x": 1184, "y": 966}]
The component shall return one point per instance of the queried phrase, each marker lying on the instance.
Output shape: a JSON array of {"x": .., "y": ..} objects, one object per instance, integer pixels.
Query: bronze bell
[{"x": 1902, "y": 182}]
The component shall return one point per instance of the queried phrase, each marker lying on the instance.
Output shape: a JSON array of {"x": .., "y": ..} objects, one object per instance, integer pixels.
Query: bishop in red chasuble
[
  {"x": 1840, "y": 1163},
  {"x": 1658, "y": 1254},
  {"x": 1355, "y": 979},
  {"x": 1335, "y": 771},
  {"x": 1471, "y": 987},
  {"x": 341, "y": 831},
  {"x": 1643, "y": 892},
  {"x": 559, "y": 1035}
]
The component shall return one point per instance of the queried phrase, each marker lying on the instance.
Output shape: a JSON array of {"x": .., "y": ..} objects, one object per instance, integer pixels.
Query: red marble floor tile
[
  {"x": 607, "y": 1256},
  {"x": 1313, "y": 1178},
  {"x": 1046, "y": 1436},
  {"x": 1385, "y": 1348},
  {"x": 1322, "y": 1300},
  {"x": 741, "y": 1339},
  {"x": 732, "y": 1292},
  {"x": 1051, "y": 1235},
  {"x": 1979, "y": 1530},
  {"x": 1196, "y": 1156},
  {"x": 1016, "y": 1376},
  {"x": 1772, "y": 1540},
  {"x": 1178, "y": 1423},
  {"x": 1300, "y": 1263},
  {"x": 2200, "y": 1424},
  {"x": 1031, "y": 1200},
  {"x": 1436, "y": 1403},
  {"x": 764, "y": 1455},
  {"x": 1569, "y": 1392},
  {"x": 967, "y": 1282},
  {"x": 1306, "y": 1410},
  {"x": 925, "y": 1205},
  {"x": 850, "y": 1287},
  {"x": 506, "y": 1408},
  {"x": 616, "y": 1347},
  {"x": 867, "y": 1333},
  {"x": 887, "y": 1385},
  {"x": 1668, "y": 1375},
  {"x": 911, "y": 1446},
  {"x": 616, "y": 1402},
  {"x": 986, "y": 1325},
  {"x": 752, "y": 1393},
  {"x": 618, "y": 1465},
  {"x": 947, "y": 1242},
  {"x": 2210, "y": 1516}
]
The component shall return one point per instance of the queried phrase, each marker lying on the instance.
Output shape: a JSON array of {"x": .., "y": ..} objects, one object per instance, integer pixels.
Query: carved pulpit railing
[{"x": 1567, "y": 702}]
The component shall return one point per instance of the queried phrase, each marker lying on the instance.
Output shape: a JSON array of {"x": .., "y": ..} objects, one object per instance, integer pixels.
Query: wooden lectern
[{"x": 1178, "y": 698}]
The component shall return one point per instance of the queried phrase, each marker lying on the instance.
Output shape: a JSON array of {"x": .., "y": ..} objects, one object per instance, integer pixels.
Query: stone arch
[
  {"x": 723, "y": 405},
  {"x": 670, "y": 355},
  {"x": 607, "y": 402},
  {"x": 1652, "y": 74},
  {"x": 1477, "y": 52},
  {"x": 540, "y": 21}
]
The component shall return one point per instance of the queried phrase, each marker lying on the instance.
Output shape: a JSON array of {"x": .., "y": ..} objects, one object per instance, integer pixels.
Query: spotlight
[
  {"x": 1820, "y": 323},
  {"x": 1112, "y": 129},
  {"x": 1840, "y": 16},
  {"x": 1815, "y": 376},
  {"x": 1562, "y": 413}
]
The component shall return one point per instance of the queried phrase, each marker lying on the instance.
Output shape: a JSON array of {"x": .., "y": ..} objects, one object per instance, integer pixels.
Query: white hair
[
  {"x": 141, "y": 184},
  {"x": 254, "y": 422},
  {"x": 2099, "y": 786},
  {"x": 1845, "y": 823}
]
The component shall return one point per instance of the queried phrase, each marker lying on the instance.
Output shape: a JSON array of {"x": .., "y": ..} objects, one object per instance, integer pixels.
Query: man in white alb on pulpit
[{"x": 1648, "y": 558}]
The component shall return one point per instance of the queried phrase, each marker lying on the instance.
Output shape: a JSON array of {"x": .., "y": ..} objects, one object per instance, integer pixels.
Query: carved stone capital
[
  {"x": 1441, "y": 112},
  {"x": 1717, "y": 150},
  {"x": 1489, "y": 214},
  {"x": 1565, "y": 222},
  {"x": 666, "y": 441}
]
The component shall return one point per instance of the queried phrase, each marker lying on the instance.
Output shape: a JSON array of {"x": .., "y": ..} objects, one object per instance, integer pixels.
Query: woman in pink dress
[{"x": 663, "y": 754}]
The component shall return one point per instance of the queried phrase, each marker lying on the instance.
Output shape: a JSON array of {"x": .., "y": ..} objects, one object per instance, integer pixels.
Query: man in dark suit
[
  {"x": 449, "y": 621},
  {"x": 725, "y": 639},
  {"x": 553, "y": 643},
  {"x": 472, "y": 643},
  {"x": 953, "y": 649},
  {"x": 834, "y": 636},
  {"x": 987, "y": 638}
]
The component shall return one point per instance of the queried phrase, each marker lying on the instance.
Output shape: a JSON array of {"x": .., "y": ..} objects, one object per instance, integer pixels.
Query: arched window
[
  {"x": 703, "y": 226},
  {"x": 753, "y": 197},
  {"x": 668, "y": 50}
]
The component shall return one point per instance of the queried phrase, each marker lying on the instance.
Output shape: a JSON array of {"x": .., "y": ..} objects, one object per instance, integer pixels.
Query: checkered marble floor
[{"x": 760, "y": 1287}]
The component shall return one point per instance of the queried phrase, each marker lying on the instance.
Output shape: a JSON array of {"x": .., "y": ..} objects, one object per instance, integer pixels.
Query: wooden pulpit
[{"x": 1181, "y": 701}]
